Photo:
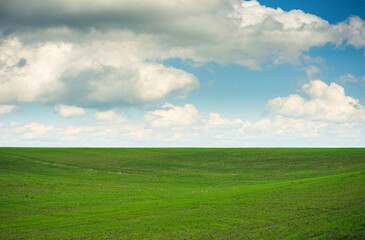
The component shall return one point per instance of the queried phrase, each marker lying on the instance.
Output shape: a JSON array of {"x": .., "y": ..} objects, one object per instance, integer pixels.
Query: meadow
[{"x": 182, "y": 193}]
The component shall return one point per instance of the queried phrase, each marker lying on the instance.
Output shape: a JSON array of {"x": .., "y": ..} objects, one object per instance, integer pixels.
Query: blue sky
[{"x": 217, "y": 73}]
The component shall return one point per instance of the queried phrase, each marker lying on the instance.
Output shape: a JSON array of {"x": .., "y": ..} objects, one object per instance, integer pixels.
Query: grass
[{"x": 59, "y": 193}]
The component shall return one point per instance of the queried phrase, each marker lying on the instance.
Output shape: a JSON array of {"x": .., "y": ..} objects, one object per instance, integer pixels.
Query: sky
[{"x": 182, "y": 73}]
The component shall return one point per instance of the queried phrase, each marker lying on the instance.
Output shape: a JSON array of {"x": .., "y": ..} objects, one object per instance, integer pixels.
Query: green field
[{"x": 182, "y": 193}]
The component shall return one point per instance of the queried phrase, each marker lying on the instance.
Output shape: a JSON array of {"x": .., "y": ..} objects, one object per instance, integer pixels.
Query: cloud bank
[{"x": 110, "y": 53}]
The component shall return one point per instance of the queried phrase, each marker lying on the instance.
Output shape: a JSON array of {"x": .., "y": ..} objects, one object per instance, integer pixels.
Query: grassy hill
[{"x": 62, "y": 193}]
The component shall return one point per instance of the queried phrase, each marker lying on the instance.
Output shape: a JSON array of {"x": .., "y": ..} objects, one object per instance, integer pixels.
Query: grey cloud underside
[
  {"x": 140, "y": 17},
  {"x": 119, "y": 87},
  {"x": 138, "y": 21}
]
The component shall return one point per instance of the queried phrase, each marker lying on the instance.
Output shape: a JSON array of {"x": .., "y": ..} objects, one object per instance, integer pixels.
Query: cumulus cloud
[
  {"x": 5, "y": 109},
  {"x": 276, "y": 126},
  {"x": 277, "y": 34},
  {"x": 32, "y": 130},
  {"x": 176, "y": 123},
  {"x": 242, "y": 32},
  {"x": 69, "y": 111},
  {"x": 214, "y": 128},
  {"x": 274, "y": 131},
  {"x": 71, "y": 130},
  {"x": 312, "y": 60},
  {"x": 90, "y": 75},
  {"x": 109, "y": 116},
  {"x": 138, "y": 133},
  {"x": 172, "y": 116},
  {"x": 108, "y": 54},
  {"x": 348, "y": 78},
  {"x": 215, "y": 121},
  {"x": 352, "y": 31},
  {"x": 321, "y": 102},
  {"x": 312, "y": 70},
  {"x": 281, "y": 125}
]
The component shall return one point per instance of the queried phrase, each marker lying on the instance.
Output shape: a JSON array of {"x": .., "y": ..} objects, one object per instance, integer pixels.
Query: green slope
[{"x": 182, "y": 193}]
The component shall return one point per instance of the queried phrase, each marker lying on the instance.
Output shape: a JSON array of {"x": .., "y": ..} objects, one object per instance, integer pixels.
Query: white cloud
[
  {"x": 5, "y": 109},
  {"x": 71, "y": 130},
  {"x": 313, "y": 60},
  {"x": 69, "y": 111},
  {"x": 275, "y": 131},
  {"x": 32, "y": 130},
  {"x": 281, "y": 125},
  {"x": 215, "y": 121},
  {"x": 348, "y": 78},
  {"x": 252, "y": 13},
  {"x": 109, "y": 116},
  {"x": 138, "y": 133},
  {"x": 311, "y": 70},
  {"x": 352, "y": 31},
  {"x": 324, "y": 102},
  {"x": 277, "y": 35},
  {"x": 109, "y": 53},
  {"x": 172, "y": 116},
  {"x": 93, "y": 74},
  {"x": 65, "y": 66},
  {"x": 36, "y": 76}
]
